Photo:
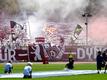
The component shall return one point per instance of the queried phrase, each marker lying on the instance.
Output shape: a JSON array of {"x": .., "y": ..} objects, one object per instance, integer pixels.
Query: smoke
[
  {"x": 69, "y": 11},
  {"x": 97, "y": 24},
  {"x": 39, "y": 12},
  {"x": 98, "y": 30},
  {"x": 56, "y": 10},
  {"x": 35, "y": 27},
  {"x": 9, "y": 7}
]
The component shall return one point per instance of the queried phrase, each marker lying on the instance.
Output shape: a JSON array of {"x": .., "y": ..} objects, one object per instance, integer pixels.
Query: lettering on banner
[
  {"x": 10, "y": 55},
  {"x": 88, "y": 53}
]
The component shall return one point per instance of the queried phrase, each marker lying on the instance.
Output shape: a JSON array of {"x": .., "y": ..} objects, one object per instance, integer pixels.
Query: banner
[
  {"x": 78, "y": 30},
  {"x": 80, "y": 53}
]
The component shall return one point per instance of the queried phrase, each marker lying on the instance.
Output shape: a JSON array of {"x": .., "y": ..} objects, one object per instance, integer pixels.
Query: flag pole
[{"x": 86, "y": 15}]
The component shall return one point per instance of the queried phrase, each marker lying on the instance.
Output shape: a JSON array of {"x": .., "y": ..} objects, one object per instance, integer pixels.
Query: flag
[
  {"x": 78, "y": 30},
  {"x": 12, "y": 24},
  {"x": 21, "y": 27},
  {"x": 76, "y": 33},
  {"x": 16, "y": 30}
]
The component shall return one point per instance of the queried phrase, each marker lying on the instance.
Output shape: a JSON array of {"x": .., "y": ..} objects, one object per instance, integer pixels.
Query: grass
[{"x": 18, "y": 68}]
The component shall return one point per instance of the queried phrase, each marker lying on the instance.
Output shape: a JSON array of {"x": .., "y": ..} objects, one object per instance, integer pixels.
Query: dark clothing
[
  {"x": 105, "y": 60},
  {"x": 70, "y": 59},
  {"x": 9, "y": 71},
  {"x": 26, "y": 76},
  {"x": 104, "y": 56},
  {"x": 70, "y": 65},
  {"x": 100, "y": 62}
]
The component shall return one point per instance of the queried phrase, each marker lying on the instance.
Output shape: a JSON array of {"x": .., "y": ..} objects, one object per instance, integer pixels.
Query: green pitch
[{"x": 18, "y": 68}]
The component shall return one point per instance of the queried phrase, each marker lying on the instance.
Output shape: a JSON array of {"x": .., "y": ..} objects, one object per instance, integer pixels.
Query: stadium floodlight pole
[{"x": 86, "y": 15}]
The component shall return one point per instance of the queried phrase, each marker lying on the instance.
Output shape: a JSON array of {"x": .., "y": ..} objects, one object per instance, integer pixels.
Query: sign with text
[{"x": 81, "y": 53}]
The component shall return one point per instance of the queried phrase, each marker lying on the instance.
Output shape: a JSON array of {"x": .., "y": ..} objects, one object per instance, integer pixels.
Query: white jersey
[
  {"x": 8, "y": 66},
  {"x": 27, "y": 70}
]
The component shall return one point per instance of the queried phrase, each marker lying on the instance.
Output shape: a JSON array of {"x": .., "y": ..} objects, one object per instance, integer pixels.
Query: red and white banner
[{"x": 81, "y": 53}]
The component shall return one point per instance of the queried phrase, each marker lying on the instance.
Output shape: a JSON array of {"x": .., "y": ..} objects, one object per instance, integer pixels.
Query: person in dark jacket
[
  {"x": 70, "y": 65},
  {"x": 100, "y": 61},
  {"x": 105, "y": 59}
]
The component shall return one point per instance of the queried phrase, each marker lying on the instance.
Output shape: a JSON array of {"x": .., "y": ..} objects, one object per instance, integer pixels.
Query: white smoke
[
  {"x": 39, "y": 12},
  {"x": 35, "y": 26},
  {"x": 61, "y": 11},
  {"x": 42, "y": 11}
]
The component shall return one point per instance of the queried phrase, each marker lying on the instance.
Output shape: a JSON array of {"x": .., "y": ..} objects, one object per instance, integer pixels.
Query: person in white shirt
[
  {"x": 8, "y": 67},
  {"x": 28, "y": 70}
]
